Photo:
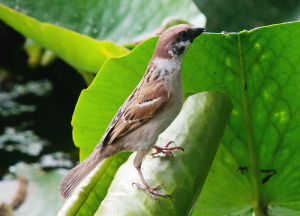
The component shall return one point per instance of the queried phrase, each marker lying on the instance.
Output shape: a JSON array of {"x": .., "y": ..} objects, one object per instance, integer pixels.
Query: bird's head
[{"x": 175, "y": 41}]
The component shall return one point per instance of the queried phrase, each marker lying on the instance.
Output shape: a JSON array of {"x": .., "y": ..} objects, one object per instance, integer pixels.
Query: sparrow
[{"x": 147, "y": 112}]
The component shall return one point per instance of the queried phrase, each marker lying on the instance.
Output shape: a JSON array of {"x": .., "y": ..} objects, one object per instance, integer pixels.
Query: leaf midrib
[{"x": 247, "y": 121}]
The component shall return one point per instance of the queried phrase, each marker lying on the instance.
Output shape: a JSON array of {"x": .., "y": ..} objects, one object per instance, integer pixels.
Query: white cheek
[
  {"x": 185, "y": 44},
  {"x": 171, "y": 52}
]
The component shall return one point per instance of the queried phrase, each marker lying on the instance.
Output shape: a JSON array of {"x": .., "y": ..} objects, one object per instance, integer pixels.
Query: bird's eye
[{"x": 183, "y": 34}]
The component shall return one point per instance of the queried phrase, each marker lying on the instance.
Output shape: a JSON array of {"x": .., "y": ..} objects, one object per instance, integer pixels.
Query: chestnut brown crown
[{"x": 176, "y": 40}]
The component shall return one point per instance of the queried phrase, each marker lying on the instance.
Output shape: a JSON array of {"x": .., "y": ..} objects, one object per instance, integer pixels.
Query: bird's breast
[{"x": 145, "y": 136}]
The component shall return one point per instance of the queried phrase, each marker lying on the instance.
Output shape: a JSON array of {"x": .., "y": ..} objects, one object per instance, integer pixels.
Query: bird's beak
[{"x": 196, "y": 32}]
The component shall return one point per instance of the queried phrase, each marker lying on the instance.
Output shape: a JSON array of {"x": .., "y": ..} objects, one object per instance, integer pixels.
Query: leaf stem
[{"x": 260, "y": 209}]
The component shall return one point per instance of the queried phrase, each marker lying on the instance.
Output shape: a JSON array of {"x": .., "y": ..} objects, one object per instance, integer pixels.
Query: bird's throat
[{"x": 169, "y": 66}]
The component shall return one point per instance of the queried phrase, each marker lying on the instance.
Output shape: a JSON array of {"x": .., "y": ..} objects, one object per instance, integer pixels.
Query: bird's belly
[{"x": 146, "y": 135}]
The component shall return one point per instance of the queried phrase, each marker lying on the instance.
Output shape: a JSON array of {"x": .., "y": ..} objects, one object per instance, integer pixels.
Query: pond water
[{"x": 36, "y": 107}]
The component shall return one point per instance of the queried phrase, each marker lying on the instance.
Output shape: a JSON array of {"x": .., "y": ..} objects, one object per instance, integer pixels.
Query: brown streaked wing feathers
[{"x": 134, "y": 115}]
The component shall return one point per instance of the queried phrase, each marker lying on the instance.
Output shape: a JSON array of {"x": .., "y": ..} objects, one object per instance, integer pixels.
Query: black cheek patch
[
  {"x": 178, "y": 50},
  {"x": 181, "y": 50},
  {"x": 187, "y": 37}
]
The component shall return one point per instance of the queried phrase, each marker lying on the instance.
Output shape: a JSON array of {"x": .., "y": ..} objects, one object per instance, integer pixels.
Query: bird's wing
[{"x": 145, "y": 102}]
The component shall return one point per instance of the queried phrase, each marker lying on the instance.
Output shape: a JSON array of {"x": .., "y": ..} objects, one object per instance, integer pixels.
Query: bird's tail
[{"x": 78, "y": 173}]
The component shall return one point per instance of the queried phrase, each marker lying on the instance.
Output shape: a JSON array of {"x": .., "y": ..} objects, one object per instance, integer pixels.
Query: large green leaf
[
  {"x": 260, "y": 71},
  {"x": 198, "y": 129},
  {"x": 78, "y": 50},
  {"x": 97, "y": 105},
  {"x": 234, "y": 15},
  {"x": 121, "y": 21}
]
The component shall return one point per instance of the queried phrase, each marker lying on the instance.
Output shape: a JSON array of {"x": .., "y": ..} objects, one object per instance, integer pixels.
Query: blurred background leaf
[
  {"x": 117, "y": 21},
  {"x": 82, "y": 52},
  {"x": 121, "y": 21},
  {"x": 237, "y": 15}
]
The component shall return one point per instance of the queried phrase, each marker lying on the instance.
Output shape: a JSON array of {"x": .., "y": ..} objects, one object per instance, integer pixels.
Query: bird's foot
[
  {"x": 151, "y": 191},
  {"x": 166, "y": 150}
]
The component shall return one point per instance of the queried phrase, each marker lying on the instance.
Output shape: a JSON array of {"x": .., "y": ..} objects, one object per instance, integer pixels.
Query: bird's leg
[
  {"x": 166, "y": 150},
  {"x": 151, "y": 191}
]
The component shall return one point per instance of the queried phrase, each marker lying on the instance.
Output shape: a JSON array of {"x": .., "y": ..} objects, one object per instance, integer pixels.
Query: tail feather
[{"x": 78, "y": 173}]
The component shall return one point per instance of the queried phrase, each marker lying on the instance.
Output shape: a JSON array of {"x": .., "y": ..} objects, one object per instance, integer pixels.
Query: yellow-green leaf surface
[
  {"x": 82, "y": 52},
  {"x": 198, "y": 129},
  {"x": 97, "y": 104},
  {"x": 257, "y": 166},
  {"x": 121, "y": 21}
]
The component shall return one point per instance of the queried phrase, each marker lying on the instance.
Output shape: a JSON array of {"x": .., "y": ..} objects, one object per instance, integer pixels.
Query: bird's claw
[
  {"x": 166, "y": 150},
  {"x": 151, "y": 191}
]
